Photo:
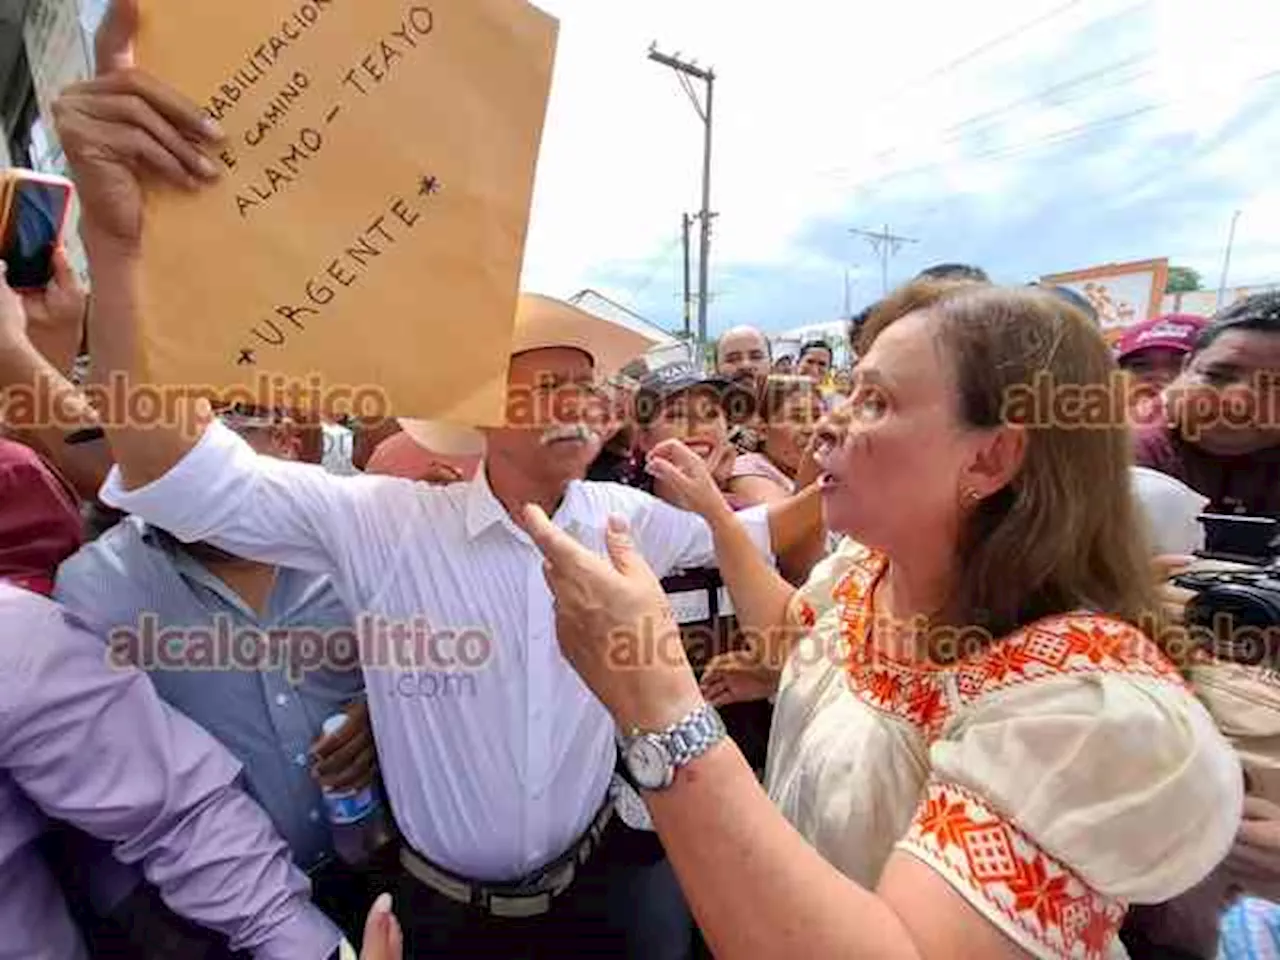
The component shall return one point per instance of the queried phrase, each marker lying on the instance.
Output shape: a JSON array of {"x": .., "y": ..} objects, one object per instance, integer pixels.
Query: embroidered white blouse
[{"x": 1051, "y": 778}]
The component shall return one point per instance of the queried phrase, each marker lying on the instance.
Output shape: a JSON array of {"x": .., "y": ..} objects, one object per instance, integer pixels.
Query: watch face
[
  {"x": 629, "y": 806},
  {"x": 648, "y": 763}
]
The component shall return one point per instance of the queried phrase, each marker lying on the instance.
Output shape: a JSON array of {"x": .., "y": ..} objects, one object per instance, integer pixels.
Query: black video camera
[{"x": 1238, "y": 611}]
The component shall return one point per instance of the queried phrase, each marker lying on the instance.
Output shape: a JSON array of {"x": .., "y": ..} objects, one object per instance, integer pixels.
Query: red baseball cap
[{"x": 1174, "y": 331}]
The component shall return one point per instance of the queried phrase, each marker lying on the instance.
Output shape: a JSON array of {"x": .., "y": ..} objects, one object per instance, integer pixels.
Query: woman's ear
[{"x": 996, "y": 461}]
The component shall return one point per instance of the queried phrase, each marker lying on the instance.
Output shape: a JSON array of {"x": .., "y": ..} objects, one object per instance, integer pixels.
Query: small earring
[{"x": 971, "y": 495}]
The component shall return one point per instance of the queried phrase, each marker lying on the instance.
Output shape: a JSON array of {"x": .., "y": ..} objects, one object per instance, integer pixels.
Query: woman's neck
[{"x": 911, "y": 595}]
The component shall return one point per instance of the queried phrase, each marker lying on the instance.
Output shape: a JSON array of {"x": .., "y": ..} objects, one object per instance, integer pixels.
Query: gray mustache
[{"x": 575, "y": 431}]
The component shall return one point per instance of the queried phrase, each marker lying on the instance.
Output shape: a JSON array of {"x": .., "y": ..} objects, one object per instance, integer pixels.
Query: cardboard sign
[{"x": 369, "y": 229}]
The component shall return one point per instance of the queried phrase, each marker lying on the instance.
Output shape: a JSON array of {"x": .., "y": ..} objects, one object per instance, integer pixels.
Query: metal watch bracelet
[{"x": 693, "y": 736}]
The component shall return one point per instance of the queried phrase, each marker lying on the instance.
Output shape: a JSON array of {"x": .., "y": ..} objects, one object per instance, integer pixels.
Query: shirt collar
[
  {"x": 192, "y": 570},
  {"x": 483, "y": 510}
]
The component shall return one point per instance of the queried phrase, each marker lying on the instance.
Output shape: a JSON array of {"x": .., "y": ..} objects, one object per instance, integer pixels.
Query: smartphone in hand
[{"x": 32, "y": 220}]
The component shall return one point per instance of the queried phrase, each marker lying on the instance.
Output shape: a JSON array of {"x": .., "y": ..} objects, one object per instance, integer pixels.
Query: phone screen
[{"x": 36, "y": 213}]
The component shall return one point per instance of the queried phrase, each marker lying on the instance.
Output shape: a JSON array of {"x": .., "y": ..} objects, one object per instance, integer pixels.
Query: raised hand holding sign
[{"x": 367, "y": 227}]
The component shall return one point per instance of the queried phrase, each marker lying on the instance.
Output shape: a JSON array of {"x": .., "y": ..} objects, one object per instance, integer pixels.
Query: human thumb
[
  {"x": 618, "y": 542},
  {"x": 64, "y": 277},
  {"x": 383, "y": 939},
  {"x": 113, "y": 45},
  {"x": 8, "y": 296}
]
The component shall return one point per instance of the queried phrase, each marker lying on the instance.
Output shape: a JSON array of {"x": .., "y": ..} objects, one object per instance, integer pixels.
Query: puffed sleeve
[
  {"x": 819, "y": 595},
  {"x": 1057, "y": 800}
]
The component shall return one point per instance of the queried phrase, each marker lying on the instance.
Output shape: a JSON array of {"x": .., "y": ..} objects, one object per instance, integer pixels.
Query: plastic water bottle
[{"x": 356, "y": 817}]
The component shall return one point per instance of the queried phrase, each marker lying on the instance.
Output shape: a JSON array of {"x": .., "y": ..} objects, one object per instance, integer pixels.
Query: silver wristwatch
[{"x": 651, "y": 759}]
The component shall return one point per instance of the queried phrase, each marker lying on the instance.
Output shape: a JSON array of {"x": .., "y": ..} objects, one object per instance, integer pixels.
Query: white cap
[
  {"x": 1170, "y": 508},
  {"x": 334, "y": 724}
]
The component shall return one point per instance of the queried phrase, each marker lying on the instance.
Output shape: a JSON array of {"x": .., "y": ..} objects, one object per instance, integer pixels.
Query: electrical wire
[
  {"x": 961, "y": 130},
  {"x": 661, "y": 259},
  {"x": 1084, "y": 78},
  {"x": 1076, "y": 81},
  {"x": 693, "y": 97},
  {"x": 986, "y": 47},
  {"x": 1052, "y": 139}
]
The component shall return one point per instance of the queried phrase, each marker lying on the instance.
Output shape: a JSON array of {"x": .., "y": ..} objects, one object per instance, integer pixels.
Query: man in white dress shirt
[
  {"x": 498, "y": 784},
  {"x": 497, "y": 778}
]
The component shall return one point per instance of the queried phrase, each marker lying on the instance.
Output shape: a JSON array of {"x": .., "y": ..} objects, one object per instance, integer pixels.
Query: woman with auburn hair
[{"x": 977, "y": 751}]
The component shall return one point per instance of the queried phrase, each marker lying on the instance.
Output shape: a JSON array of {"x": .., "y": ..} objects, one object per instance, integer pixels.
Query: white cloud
[{"x": 821, "y": 106}]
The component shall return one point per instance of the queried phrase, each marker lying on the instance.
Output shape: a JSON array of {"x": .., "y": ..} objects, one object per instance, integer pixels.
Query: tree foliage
[{"x": 1182, "y": 280}]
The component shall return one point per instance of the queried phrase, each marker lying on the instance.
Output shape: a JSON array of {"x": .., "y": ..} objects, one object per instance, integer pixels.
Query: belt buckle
[
  {"x": 517, "y": 908},
  {"x": 553, "y": 881},
  {"x": 532, "y": 904}
]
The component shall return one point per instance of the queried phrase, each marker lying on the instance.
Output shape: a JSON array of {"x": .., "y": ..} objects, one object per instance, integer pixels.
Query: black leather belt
[{"x": 528, "y": 897}]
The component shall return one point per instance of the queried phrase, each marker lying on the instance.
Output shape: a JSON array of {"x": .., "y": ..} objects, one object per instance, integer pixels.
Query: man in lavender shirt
[{"x": 93, "y": 746}]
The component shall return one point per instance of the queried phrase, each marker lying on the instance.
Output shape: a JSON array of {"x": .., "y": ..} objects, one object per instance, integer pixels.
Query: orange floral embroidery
[
  {"x": 1003, "y": 660},
  {"x": 1096, "y": 932},
  {"x": 917, "y": 691},
  {"x": 1036, "y": 892},
  {"x": 927, "y": 704},
  {"x": 884, "y": 686},
  {"x": 943, "y": 820},
  {"x": 1041, "y": 903}
]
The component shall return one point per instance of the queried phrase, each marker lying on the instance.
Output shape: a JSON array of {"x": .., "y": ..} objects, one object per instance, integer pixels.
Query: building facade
[{"x": 45, "y": 45}]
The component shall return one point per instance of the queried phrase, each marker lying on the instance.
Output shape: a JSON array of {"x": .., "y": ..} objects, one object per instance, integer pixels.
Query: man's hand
[
  {"x": 739, "y": 676},
  {"x": 123, "y": 131},
  {"x": 1173, "y": 599},
  {"x": 347, "y": 760},
  {"x": 809, "y": 471},
  {"x": 688, "y": 477},
  {"x": 56, "y": 315}
]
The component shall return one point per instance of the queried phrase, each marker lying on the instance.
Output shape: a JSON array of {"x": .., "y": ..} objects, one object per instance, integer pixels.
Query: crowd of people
[{"x": 750, "y": 658}]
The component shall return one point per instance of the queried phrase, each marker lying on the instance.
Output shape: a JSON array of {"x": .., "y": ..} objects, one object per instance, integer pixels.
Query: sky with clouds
[{"x": 1027, "y": 136}]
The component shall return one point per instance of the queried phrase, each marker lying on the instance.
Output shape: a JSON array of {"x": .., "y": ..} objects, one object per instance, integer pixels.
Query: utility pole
[
  {"x": 1226, "y": 261},
  {"x": 886, "y": 245},
  {"x": 705, "y": 110},
  {"x": 688, "y": 278}
]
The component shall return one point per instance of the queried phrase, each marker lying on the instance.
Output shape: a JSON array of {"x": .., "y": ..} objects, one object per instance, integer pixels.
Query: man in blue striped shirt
[{"x": 257, "y": 655}]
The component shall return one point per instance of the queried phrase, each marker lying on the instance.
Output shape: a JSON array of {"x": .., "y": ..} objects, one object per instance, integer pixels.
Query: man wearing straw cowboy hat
[
  {"x": 499, "y": 784},
  {"x": 496, "y": 758}
]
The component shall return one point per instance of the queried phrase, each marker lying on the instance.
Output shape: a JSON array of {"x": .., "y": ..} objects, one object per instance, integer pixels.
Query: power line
[
  {"x": 660, "y": 261},
  {"x": 1085, "y": 79},
  {"x": 1076, "y": 81},
  {"x": 885, "y": 245},
  {"x": 1120, "y": 14},
  {"x": 1051, "y": 139},
  {"x": 960, "y": 130},
  {"x": 1149, "y": 57},
  {"x": 986, "y": 47}
]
